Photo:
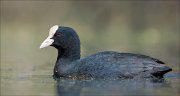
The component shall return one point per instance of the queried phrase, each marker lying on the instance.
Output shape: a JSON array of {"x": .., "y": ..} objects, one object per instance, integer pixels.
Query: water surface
[{"x": 23, "y": 83}]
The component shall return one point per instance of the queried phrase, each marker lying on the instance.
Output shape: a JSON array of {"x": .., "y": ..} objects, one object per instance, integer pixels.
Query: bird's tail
[{"x": 160, "y": 71}]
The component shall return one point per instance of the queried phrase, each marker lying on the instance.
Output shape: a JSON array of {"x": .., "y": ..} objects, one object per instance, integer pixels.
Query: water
[
  {"x": 116, "y": 87},
  {"x": 23, "y": 82}
]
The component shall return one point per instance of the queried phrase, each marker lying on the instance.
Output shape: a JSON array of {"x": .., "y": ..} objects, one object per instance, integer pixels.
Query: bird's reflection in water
[{"x": 69, "y": 87}]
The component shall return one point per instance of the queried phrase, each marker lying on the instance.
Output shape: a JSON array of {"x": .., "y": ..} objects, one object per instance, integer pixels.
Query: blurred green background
[
  {"x": 144, "y": 27},
  {"x": 150, "y": 28}
]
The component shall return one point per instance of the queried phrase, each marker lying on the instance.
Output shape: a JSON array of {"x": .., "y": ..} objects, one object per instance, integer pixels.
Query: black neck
[
  {"x": 69, "y": 54},
  {"x": 64, "y": 56}
]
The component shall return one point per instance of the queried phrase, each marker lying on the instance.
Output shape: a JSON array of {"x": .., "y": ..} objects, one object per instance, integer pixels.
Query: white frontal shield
[{"x": 48, "y": 40}]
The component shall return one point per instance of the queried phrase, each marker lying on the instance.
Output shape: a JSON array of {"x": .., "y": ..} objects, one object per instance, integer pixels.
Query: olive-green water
[{"x": 22, "y": 83}]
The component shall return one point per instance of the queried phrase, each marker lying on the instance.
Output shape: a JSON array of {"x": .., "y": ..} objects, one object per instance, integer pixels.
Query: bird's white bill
[{"x": 46, "y": 43}]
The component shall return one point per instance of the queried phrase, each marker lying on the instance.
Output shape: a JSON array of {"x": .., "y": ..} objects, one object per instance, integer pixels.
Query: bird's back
[{"x": 111, "y": 64}]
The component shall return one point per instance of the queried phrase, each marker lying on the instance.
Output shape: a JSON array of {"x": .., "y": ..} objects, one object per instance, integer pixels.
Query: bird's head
[{"x": 61, "y": 37}]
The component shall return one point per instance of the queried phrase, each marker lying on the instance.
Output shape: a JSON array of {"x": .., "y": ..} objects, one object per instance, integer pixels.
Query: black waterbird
[{"x": 102, "y": 65}]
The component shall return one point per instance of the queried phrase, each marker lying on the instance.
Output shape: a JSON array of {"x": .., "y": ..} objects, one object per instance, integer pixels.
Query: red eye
[{"x": 58, "y": 34}]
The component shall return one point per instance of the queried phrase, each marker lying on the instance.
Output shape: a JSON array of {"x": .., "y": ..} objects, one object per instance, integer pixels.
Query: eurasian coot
[{"x": 102, "y": 65}]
